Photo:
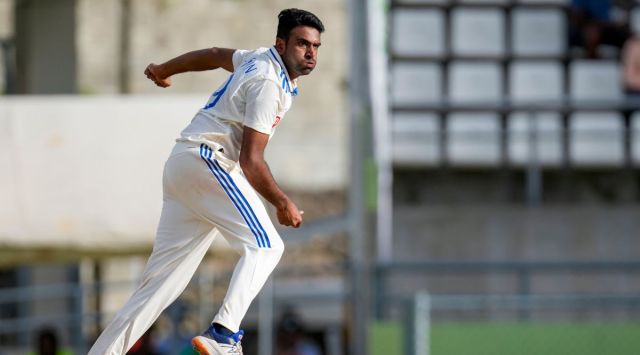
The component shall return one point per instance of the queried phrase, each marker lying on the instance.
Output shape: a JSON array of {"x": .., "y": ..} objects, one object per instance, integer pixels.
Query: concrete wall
[
  {"x": 161, "y": 30},
  {"x": 516, "y": 233},
  {"x": 86, "y": 172},
  {"x": 6, "y": 31},
  {"x": 45, "y": 41}
]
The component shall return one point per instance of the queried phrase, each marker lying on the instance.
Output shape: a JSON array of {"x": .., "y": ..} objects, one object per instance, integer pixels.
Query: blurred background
[{"x": 468, "y": 171}]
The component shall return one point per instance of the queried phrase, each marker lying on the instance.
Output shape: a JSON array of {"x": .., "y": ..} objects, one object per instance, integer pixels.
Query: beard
[{"x": 303, "y": 70}]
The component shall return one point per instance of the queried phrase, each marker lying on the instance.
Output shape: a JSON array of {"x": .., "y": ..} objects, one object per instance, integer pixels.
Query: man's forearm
[
  {"x": 199, "y": 60},
  {"x": 259, "y": 176}
]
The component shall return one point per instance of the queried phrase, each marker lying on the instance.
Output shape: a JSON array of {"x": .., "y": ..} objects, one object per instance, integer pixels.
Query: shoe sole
[{"x": 201, "y": 348}]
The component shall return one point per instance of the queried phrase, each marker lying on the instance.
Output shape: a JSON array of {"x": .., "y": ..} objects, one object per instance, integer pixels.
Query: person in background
[
  {"x": 631, "y": 67},
  {"x": 591, "y": 24},
  {"x": 292, "y": 338},
  {"x": 47, "y": 343}
]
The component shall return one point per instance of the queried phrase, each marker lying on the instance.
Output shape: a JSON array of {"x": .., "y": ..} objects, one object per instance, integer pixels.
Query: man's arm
[
  {"x": 203, "y": 59},
  {"x": 257, "y": 172}
]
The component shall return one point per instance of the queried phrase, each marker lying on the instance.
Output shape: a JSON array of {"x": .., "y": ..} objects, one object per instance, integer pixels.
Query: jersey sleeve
[
  {"x": 238, "y": 57},
  {"x": 262, "y": 103}
]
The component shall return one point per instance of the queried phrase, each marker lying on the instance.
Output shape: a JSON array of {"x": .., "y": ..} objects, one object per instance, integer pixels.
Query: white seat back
[
  {"x": 530, "y": 81},
  {"x": 547, "y": 138},
  {"x": 538, "y": 32},
  {"x": 595, "y": 80},
  {"x": 415, "y": 83},
  {"x": 473, "y": 139},
  {"x": 416, "y": 139},
  {"x": 471, "y": 82},
  {"x": 418, "y": 32},
  {"x": 596, "y": 139},
  {"x": 477, "y": 32}
]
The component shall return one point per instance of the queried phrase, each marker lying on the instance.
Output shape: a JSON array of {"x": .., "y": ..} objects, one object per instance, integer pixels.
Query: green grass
[{"x": 386, "y": 338}]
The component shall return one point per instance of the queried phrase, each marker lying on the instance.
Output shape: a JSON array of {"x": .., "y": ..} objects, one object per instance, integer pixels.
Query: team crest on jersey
[{"x": 276, "y": 122}]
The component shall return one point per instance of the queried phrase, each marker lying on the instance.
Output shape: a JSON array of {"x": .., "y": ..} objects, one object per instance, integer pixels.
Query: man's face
[{"x": 300, "y": 51}]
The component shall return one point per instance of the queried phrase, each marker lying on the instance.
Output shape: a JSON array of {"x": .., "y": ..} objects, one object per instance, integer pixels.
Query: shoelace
[{"x": 236, "y": 348}]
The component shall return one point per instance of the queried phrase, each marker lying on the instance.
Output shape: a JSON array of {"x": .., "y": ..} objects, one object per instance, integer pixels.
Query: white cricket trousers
[{"x": 203, "y": 192}]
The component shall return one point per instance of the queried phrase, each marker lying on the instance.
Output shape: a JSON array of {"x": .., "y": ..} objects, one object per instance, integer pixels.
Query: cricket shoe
[{"x": 212, "y": 342}]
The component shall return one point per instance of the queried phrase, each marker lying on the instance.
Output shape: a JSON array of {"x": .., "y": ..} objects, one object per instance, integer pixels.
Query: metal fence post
[
  {"x": 418, "y": 325},
  {"x": 265, "y": 321}
]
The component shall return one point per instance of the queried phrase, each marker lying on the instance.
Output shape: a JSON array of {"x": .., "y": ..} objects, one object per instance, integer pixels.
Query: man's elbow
[{"x": 249, "y": 162}]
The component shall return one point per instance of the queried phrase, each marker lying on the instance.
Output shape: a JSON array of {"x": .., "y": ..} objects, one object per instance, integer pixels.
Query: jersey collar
[{"x": 288, "y": 85}]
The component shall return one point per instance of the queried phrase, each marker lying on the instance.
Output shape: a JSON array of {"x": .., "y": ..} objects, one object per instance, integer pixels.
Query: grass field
[{"x": 385, "y": 338}]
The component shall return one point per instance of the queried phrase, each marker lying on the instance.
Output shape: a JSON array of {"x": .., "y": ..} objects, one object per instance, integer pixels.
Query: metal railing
[
  {"x": 544, "y": 335},
  {"x": 7, "y": 47},
  {"x": 523, "y": 271}
]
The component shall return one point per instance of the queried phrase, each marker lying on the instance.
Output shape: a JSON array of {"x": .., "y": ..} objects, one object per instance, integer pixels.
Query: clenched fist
[
  {"x": 154, "y": 73},
  {"x": 289, "y": 215}
]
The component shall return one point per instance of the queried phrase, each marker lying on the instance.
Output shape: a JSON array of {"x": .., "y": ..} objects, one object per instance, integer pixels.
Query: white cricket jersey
[{"x": 257, "y": 94}]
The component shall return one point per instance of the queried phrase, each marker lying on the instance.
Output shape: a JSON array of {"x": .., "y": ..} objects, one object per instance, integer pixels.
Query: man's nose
[{"x": 310, "y": 53}]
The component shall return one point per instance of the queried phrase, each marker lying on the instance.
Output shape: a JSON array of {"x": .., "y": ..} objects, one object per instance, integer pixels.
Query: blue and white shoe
[{"x": 212, "y": 342}]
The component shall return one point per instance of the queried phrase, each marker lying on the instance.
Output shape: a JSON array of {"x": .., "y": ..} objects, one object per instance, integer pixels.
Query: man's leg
[
  {"x": 181, "y": 242},
  {"x": 248, "y": 228}
]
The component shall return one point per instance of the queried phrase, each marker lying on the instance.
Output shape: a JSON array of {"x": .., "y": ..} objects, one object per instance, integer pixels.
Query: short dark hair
[{"x": 289, "y": 19}]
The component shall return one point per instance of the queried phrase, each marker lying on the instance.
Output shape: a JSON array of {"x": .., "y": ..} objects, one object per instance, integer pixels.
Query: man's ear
[{"x": 281, "y": 44}]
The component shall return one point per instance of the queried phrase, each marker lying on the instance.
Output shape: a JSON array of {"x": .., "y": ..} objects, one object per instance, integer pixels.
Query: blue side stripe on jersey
[
  {"x": 252, "y": 214},
  {"x": 218, "y": 94},
  {"x": 205, "y": 154},
  {"x": 273, "y": 55},
  {"x": 285, "y": 83},
  {"x": 262, "y": 235}
]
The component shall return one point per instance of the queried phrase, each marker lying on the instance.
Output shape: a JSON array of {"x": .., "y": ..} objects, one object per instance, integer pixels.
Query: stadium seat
[
  {"x": 415, "y": 83},
  {"x": 438, "y": 2},
  {"x": 483, "y": 1},
  {"x": 538, "y": 32},
  {"x": 473, "y": 139},
  {"x": 416, "y": 139},
  {"x": 595, "y": 80},
  {"x": 534, "y": 80},
  {"x": 635, "y": 20},
  {"x": 547, "y": 126},
  {"x": 477, "y": 32},
  {"x": 551, "y": 2},
  {"x": 418, "y": 32},
  {"x": 473, "y": 82},
  {"x": 596, "y": 139},
  {"x": 635, "y": 137}
]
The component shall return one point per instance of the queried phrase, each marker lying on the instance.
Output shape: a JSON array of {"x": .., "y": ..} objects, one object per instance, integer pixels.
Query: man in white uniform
[{"x": 212, "y": 180}]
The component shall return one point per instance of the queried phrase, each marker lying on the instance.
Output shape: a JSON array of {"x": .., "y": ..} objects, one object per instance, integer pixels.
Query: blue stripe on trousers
[
  {"x": 242, "y": 201},
  {"x": 255, "y": 218},
  {"x": 204, "y": 151}
]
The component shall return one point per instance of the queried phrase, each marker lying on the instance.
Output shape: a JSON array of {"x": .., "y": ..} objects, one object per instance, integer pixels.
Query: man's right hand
[
  {"x": 289, "y": 215},
  {"x": 154, "y": 74}
]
